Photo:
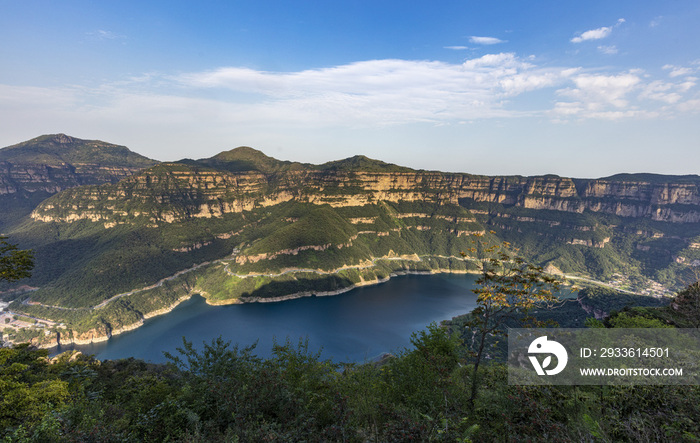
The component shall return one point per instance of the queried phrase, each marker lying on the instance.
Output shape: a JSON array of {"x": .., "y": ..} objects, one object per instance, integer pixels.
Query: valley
[{"x": 242, "y": 227}]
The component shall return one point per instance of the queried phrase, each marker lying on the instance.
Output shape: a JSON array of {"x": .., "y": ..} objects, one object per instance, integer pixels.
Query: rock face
[
  {"x": 34, "y": 170},
  {"x": 53, "y": 163},
  {"x": 23, "y": 178},
  {"x": 175, "y": 192},
  {"x": 547, "y": 213},
  {"x": 241, "y": 226},
  {"x": 243, "y": 179}
]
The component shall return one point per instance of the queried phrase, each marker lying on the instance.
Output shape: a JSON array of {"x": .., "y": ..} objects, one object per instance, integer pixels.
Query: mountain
[
  {"x": 364, "y": 164},
  {"x": 244, "y": 158},
  {"x": 60, "y": 150},
  {"x": 33, "y": 170},
  {"x": 242, "y": 227}
]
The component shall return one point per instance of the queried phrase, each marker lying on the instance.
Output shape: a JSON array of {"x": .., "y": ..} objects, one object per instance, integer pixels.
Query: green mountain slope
[
  {"x": 242, "y": 226},
  {"x": 60, "y": 149},
  {"x": 33, "y": 170},
  {"x": 244, "y": 158},
  {"x": 364, "y": 164}
]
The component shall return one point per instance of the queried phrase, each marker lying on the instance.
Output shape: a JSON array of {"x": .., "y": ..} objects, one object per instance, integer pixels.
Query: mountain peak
[
  {"x": 243, "y": 153},
  {"x": 57, "y": 149},
  {"x": 63, "y": 139},
  {"x": 245, "y": 158},
  {"x": 364, "y": 163},
  {"x": 53, "y": 139}
]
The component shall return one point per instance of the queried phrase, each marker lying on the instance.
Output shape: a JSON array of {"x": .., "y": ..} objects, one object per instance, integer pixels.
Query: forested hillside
[
  {"x": 36, "y": 169},
  {"x": 242, "y": 227}
]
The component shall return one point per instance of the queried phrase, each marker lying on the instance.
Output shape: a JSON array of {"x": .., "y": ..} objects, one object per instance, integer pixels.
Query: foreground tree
[
  {"x": 687, "y": 305},
  {"x": 508, "y": 288},
  {"x": 15, "y": 264}
]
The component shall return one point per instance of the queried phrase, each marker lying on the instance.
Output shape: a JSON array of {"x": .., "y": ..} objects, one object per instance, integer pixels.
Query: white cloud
[
  {"x": 690, "y": 106},
  {"x": 623, "y": 114},
  {"x": 678, "y": 71},
  {"x": 367, "y": 94},
  {"x": 596, "y": 34},
  {"x": 598, "y": 90},
  {"x": 485, "y": 40},
  {"x": 457, "y": 48},
  {"x": 593, "y": 34},
  {"x": 686, "y": 85},
  {"x": 388, "y": 91},
  {"x": 661, "y": 91},
  {"x": 568, "y": 108},
  {"x": 384, "y": 92},
  {"x": 610, "y": 50},
  {"x": 500, "y": 60},
  {"x": 599, "y": 96},
  {"x": 14, "y": 97},
  {"x": 102, "y": 34},
  {"x": 627, "y": 95},
  {"x": 669, "y": 92},
  {"x": 519, "y": 83}
]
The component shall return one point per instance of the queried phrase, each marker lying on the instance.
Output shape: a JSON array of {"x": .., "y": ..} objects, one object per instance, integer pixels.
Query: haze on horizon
[{"x": 585, "y": 89}]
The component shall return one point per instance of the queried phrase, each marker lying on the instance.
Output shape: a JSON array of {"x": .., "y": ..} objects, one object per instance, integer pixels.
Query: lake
[{"x": 355, "y": 326}]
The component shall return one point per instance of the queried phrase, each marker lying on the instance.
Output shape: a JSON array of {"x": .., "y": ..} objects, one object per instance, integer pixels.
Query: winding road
[{"x": 227, "y": 262}]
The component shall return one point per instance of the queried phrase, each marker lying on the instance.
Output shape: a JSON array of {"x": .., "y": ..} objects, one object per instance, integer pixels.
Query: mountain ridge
[
  {"x": 56, "y": 149},
  {"x": 33, "y": 170},
  {"x": 242, "y": 226}
]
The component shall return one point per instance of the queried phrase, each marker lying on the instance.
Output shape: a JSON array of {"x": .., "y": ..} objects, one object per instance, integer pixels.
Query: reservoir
[{"x": 355, "y": 326}]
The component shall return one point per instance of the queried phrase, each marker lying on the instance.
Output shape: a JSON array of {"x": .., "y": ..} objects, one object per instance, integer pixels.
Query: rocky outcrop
[
  {"x": 30, "y": 178},
  {"x": 407, "y": 211},
  {"x": 598, "y": 313},
  {"x": 170, "y": 193},
  {"x": 244, "y": 179},
  {"x": 95, "y": 335},
  {"x": 54, "y": 163},
  {"x": 589, "y": 243}
]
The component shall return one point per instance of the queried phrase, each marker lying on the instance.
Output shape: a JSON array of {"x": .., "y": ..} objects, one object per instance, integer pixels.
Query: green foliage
[
  {"x": 27, "y": 392},
  {"x": 58, "y": 149},
  {"x": 606, "y": 300},
  {"x": 592, "y": 322},
  {"x": 687, "y": 305},
  {"x": 320, "y": 226},
  {"x": 288, "y": 396},
  {"x": 625, "y": 320},
  {"x": 79, "y": 257},
  {"x": 364, "y": 164},
  {"x": 218, "y": 392},
  {"x": 507, "y": 287},
  {"x": 131, "y": 237},
  {"x": 15, "y": 264}
]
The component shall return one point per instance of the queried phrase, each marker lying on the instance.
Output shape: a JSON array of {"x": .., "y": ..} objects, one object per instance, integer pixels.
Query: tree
[
  {"x": 507, "y": 288},
  {"x": 687, "y": 304},
  {"x": 15, "y": 264}
]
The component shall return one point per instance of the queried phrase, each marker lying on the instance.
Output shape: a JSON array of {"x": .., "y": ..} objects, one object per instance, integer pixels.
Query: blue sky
[{"x": 584, "y": 89}]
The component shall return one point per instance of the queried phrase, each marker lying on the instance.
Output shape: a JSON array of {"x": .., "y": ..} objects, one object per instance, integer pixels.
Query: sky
[{"x": 575, "y": 88}]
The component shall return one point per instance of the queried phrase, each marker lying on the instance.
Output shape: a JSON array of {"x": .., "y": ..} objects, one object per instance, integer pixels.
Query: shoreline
[
  {"x": 303, "y": 294},
  {"x": 100, "y": 338},
  {"x": 126, "y": 328}
]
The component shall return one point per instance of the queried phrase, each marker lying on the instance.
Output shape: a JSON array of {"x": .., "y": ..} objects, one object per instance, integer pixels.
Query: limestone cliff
[
  {"x": 53, "y": 163},
  {"x": 242, "y": 226},
  {"x": 175, "y": 192}
]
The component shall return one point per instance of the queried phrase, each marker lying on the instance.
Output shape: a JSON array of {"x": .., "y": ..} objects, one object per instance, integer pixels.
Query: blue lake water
[{"x": 352, "y": 327}]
